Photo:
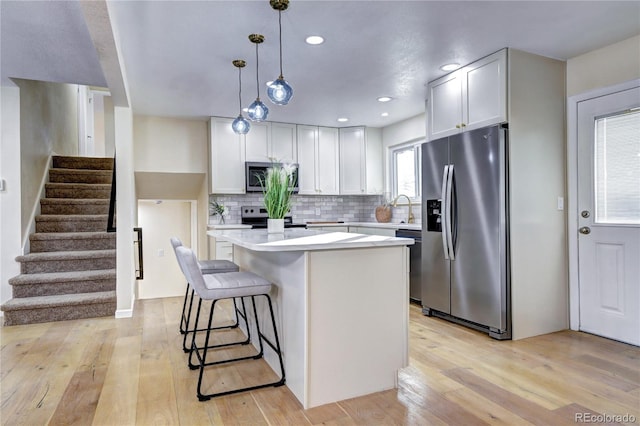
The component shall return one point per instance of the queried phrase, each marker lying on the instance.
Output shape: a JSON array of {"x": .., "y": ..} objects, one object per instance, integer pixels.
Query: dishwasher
[{"x": 415, "y": 263}]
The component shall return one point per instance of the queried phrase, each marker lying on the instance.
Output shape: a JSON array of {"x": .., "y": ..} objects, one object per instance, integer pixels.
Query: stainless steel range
[{"x": 256, "y": 216}]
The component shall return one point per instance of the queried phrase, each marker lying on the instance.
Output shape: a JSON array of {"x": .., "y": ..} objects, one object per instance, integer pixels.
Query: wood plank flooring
[{"x": 133, "y": 372}]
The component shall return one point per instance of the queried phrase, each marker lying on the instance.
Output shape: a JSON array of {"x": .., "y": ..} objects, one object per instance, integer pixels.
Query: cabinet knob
[
  {"x": 463, "y": 125},
  {"x": 457, "y": 126}
]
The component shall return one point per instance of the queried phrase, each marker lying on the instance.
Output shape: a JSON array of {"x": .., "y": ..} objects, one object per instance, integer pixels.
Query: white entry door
[{"x": 609, "y": 215}]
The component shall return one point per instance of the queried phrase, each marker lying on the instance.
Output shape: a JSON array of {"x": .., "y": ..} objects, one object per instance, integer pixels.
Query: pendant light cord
[
  {"x": 257, "y": 80},
  {"x": 280, "y": 27},
  {"x": 240, "y": 90}
]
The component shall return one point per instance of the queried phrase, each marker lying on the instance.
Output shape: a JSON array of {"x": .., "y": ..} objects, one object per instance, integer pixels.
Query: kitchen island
[{"x": 341, "y": 304}]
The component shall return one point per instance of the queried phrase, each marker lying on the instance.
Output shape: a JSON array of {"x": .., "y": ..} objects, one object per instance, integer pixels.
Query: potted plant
[
  {"x": 217, "y": 209},
  {"x": 277, "y": 188}
]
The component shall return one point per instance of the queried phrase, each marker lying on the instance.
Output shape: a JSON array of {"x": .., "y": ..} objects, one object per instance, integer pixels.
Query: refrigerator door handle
[
  {"x": 452, "y": 254},
  {"x": 443, "y": 213}
]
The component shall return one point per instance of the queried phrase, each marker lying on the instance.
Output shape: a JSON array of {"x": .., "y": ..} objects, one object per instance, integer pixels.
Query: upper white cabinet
[
  {"x": 227, "y": 158},
  {"x": 258, "y": 141},
  {"x": 318, "y": 156},
  {"x": 352, "y": 161},
  {"x": 284, "y": 146},
  {"x": 327, "y": 161},
  {"x": 360, "y": 161},
  {"x": 307, "y": 140},
  {"x": 472, "y": 97},
  {"x": 268, "y": 141}
]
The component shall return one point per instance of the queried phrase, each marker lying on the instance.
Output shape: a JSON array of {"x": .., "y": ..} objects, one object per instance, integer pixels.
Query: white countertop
[
  {"x": 298, "y": 239},
  {"x": 228, "y": 226},
  {"x": 388, "y": 225}
]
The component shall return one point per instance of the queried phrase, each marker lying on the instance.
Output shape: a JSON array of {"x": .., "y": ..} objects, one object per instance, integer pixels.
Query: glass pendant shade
[
  {"x": 258, "y": 111},
  {"x": 280, "y": 92},
  {"x": 241, "y": 125}
]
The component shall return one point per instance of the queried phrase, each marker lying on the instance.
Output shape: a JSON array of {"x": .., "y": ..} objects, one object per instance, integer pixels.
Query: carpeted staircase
[{"x": 71, "y": 270}]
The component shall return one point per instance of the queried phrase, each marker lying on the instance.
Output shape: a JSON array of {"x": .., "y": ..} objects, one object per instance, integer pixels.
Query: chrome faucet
[{"x": 410, "y": 219}]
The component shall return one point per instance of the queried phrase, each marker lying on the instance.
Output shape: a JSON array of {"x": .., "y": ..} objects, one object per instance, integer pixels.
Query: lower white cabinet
[
  {"x": 385, "y": 232},
  {"x": 220, "y": 250}
]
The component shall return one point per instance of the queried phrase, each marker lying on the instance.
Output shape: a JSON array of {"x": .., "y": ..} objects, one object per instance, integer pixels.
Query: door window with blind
[{"x": 617, "y": 168}]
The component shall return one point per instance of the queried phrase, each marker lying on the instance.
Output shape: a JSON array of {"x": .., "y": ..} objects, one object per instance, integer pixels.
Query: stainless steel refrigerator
[{"x": 465, "y": 230}]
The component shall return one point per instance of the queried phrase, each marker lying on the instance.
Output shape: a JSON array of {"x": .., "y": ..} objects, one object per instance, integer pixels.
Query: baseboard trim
[{"x": 124, "y": 313}]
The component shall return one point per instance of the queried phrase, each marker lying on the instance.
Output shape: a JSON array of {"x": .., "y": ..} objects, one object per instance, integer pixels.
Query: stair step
[
  {"x": 71, "y": 241},
  {"x": 95, "y": 163},
  {"x": 30, "y": 310},
  {"x": 82, "y": 206},
  {"x": 71, "y": 223},
  {"x": 52, "y": 283},
  {"x": 65, "y": 261},
  {"x": 77, "y": 190},
  {"x": 80, "y": 176}
]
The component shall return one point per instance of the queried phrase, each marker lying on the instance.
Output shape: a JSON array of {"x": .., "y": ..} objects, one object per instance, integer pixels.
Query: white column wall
[
  {"x": 126, "y": 211},
  {"x": 10, "y": 197}
]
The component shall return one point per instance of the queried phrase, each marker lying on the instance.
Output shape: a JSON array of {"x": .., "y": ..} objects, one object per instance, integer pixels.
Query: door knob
[{"x": 585, "y": 230}]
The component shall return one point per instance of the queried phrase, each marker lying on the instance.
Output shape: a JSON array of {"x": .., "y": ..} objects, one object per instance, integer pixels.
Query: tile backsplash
[{"x": 347, "y": 208}]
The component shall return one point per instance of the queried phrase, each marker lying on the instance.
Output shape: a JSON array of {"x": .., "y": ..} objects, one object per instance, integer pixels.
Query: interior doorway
[
  {"x": 605, "y": 218},
  {"x": 160, "y": 220},
  {"x": 96, "y": 137}
]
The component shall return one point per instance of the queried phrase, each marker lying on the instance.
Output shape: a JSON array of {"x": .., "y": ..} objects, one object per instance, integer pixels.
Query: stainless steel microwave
[{"x": 256, "y": 171}]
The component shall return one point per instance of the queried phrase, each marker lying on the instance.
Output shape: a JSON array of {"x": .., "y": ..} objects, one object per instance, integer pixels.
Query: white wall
[
  {"x": 10, "y": 197},
  {"x": 410, "y": 130},
  {"x": 170, "y": 144},
  {"x": 126, "y": 211},
  {"x": 160, "y": 221},
  {"x": 616, "y": 63},
  {"x": 48, "y": 124},
  {"x": 174, "y": 145}
]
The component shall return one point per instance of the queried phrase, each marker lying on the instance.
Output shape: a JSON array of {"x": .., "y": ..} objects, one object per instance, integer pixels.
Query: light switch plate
[
  {"x": 160, "y": 252},
  {"x": 560, "y": 203}
]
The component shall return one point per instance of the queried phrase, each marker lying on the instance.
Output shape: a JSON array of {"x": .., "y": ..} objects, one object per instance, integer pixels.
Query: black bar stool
[
  {"x": 230, "y": 285},
  {"x": 207, "y": 267}
]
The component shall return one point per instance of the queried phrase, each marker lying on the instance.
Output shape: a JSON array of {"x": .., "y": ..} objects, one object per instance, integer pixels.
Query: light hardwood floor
[{"x": 133, "y": 371}]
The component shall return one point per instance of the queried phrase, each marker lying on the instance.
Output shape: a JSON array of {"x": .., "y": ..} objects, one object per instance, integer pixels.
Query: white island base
[{"x": 342, "y": 313}]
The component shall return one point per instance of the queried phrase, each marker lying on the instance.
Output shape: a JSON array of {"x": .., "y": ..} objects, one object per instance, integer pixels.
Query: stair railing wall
[{"x": 111, "y": 220}]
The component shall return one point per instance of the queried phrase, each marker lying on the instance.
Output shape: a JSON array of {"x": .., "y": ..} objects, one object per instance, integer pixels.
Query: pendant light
[
  {"x": 258, "y": 111},
  {"x": 279, "y": 91},
  {"x": 240, "y": 125}
]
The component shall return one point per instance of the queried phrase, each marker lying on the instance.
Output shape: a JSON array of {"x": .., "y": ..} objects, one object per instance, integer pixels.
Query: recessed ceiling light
[
  {"x": 384, "y": 99},
  {"x": 343, "y": 119},
  {"x": 385, "y": 114},
  {"x": 450, "y": 67},
  {"x": 314, "y": 40}
]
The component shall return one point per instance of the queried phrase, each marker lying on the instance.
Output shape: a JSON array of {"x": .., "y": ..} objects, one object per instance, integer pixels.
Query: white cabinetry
[
  {"x": 318, "y": 157},
  {"x": 360, "y": 161},
  {"x": 268, "y": 141},
  {"x": 472, "y": 97},
  {"x": 220, "y": 250},
  {"x": 258, "y": 142},
  {"x": 536, "y": 174},
  {"x": 227, "y": 158},
  {"x": 386, "y": 232},
  {"x": 284, "y": 146}
]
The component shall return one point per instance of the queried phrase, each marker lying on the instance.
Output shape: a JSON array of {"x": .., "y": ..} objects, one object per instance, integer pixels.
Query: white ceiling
[{"x": 177, "y": 54}]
